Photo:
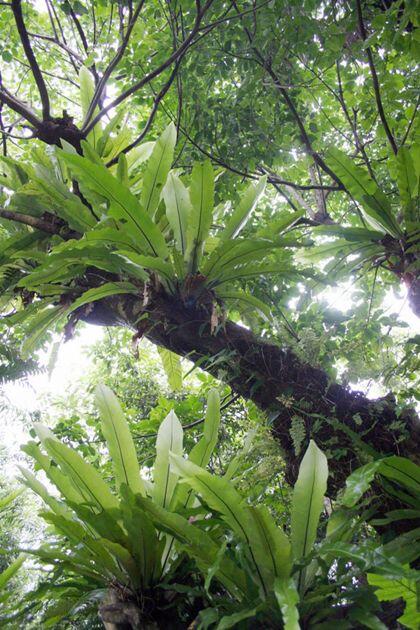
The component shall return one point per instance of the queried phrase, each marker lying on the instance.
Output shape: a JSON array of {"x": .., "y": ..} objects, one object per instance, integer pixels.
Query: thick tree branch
[
  {"x": 26, "y": 43},
  {"x": 375, "y": 81},
  {"x": 156, "y": 72},
  {"x": 276, "y": 379}
]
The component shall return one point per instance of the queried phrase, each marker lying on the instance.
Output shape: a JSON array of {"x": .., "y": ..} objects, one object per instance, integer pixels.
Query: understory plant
[{"x": 178, "y": 545}]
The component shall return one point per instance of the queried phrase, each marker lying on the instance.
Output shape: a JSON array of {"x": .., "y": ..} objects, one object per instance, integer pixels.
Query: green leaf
[
  {"x": 199, "y": 544},
  {"x": 200, "y": 453},
  {"x": 202, "y": 200},
  {"x": 402, "y": 470},
  {"x": 11, "y": 570},
  {"x": 9, "y": 498},
  {"x": 36, "y": 486},
  {"x": 308, "y": 500},
  {"x": 388, "y": 590},
  {"x": 99, "y": 293},
  {"x": 178, "y": 209},
  {"x": 358, "y": 482},
  {"x": 163, "y": 268},
  {"x": 249, "y": 526},
  {"x": 39, "y": 326},
  {"x": 287, "y": 598},
  {"x": 375, "y": 206},
  {"x": 169, "y": 439},
  {"x": 247, "y": 300},
  {"x": 408, "y": 184},
  {"x": 120, "y": 443},
  {"x": 279, "y": 224},
  {"x": 84, "y": 476},
  {"x": 173, "y": 369},
  {"x": 245, "y": 207},
  {"x": 157, "y": 170},
  {"x": 123, "y": 204},
  {"x": 87, "y": 90},
  {"x": 231, "y": 621}
]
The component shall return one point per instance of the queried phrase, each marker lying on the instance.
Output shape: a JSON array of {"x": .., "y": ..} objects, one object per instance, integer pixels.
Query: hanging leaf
[
  {"x": 11, "y": 570},
  {"x": 157, "y": 170},
  {"x": 38, "y": 327},
  {"x": 120, "y": 443},
  {"x": 308, "y": 500},
  {"x": 99, "y": 293},
  {"x": 172, "y": 365}
]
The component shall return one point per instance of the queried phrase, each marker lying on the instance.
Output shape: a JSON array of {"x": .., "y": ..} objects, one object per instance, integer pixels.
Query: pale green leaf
[
  {"x": 287, "y": 598},
  {"x": 120, "y": 443},
  {"x": 178, "y": 209},
  {"x": 157, "y": 170},
  {"x": 308, "y": 500},
  {"x": 169, "y": 439},
  {"x": 172, "y": 365},
  {"x": 84, "y": 476},
  {"x": 99, "y": 293}
]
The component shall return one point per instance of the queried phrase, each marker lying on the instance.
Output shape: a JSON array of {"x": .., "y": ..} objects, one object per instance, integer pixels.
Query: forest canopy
[{"x": 231, "y": 190}]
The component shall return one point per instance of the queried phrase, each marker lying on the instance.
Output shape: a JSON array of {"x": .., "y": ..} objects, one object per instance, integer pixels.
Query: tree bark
[{"x": 345, "y": 424}]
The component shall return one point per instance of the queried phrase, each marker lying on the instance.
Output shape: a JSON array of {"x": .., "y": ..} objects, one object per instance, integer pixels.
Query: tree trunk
[{"x": 345, "y": 424}]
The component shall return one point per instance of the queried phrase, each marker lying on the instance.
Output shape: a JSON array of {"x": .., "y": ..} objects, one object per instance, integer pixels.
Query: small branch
[
  {"x": 55, "y": 41},
  {"x": 151, "y": 117},
  {"x": 37, "y": 74},
  {"x": 113, "y": 64},
  {"x": 154, "y": 73},
  {"x": 410, "y": 124},
  {"x": 375, "y": 81},
  {"x": 27, "y": 219},
  {"x": 20, "y": 108}
]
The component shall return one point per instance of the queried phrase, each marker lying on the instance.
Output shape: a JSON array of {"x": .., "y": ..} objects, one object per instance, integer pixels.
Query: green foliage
[{"x": 148, "y": 535}]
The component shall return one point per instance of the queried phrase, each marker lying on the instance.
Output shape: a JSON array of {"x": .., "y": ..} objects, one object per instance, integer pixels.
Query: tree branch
[
  {"x": 20, "y": 108},
  {"x": 27, "y": 219},
  {"x": 375, "y": 81},
  {"x": 26, "y": 43},
  {"x": 151, "y": 117},
  {"x": 113, "y": 64},
  {"x": 154, "y": 73},
  {"x": 57, "y": 42}
]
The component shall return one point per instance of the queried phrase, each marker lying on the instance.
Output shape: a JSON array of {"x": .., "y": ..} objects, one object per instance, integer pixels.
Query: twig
[
  {"x": 154, "y": 73},
  {"x": 158, "y": 98},
  {"x": 112, "y": 65},
  {"x": 375, "y": 81},
  {"x": 17, "y": 106}
]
